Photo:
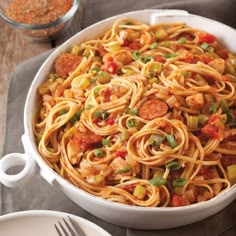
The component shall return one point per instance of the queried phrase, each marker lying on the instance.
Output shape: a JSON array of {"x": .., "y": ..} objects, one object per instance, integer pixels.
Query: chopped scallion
[
  {"x": 133, "y": 112},
  {"x": 104, "y": 115},
  {"x": 136, "y": 55},
  {"x": 204, "y": 45},
  {"x": 213, "y": 107},
  {"x": 170, "y": 55},
  {"x": 173, "y": 165},
  {"x": 88, "y": 107},
  {"x": 166, "y": 44},
  {"x": 106, "y": 142},
  {"x": 154, "y": 45},
  {"x": 98, "y": 153},
  {"x": 172, "y": 141},
  {"x": 182, "y": 40},
  {"x": 97, "y": 114},
  {"x": 131, "y": 123},
  {"x": 62, "y": 112},
  {"x": 179, "y": 182},
  {"x": 96, "y": 91},
  {"x": 123, "y": 170},
  {"x": 93, "y": 80},
  {"x": 158, "y": 181}
]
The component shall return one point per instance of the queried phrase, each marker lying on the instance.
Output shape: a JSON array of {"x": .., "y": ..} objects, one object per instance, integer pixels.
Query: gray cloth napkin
[{"x": 38, "y": 194}]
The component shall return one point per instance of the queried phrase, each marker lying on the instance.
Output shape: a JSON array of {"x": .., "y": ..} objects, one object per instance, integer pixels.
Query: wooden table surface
[{"x": 15, "y": 49}]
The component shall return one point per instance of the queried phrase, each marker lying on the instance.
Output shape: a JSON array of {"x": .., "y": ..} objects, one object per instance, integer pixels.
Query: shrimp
[{"x": 195, "y": 101}]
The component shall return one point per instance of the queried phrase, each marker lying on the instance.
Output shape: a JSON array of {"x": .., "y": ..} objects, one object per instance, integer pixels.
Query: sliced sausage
[
  {"x": 67, "y": 63},
  {"x": 153, "y": 108}
]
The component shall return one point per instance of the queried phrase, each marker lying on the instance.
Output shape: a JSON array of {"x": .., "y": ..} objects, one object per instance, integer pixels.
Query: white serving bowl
[{"x": 119, "y": 214}]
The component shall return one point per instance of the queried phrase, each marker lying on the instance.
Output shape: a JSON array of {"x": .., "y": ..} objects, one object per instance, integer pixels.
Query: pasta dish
[{"x": 143, "y": 115}]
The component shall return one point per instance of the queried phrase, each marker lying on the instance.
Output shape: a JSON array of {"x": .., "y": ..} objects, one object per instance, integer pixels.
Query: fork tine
[
  {"x": 63, "y": 228},
  {"x": 58, "y": 231},
  {"x": 69, "y": 228},
  {"x": 77, "y": 227}
]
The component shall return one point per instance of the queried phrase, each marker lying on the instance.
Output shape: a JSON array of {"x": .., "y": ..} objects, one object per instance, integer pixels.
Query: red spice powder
[{"x": 37, "y": 11}]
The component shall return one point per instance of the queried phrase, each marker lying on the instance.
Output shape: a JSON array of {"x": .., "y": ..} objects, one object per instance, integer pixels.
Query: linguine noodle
[{"x": 142, "y": 115}]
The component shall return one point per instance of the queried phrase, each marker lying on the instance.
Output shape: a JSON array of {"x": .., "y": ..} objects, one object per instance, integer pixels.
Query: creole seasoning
[{"x": 37, "y": 11}]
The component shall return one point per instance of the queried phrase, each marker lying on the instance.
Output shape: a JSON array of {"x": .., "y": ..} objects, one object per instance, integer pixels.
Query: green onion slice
[
  {"x": 154, "y": 45},
  {"x": 213, "y": 107},
  {"x": 133, "y": 112},
  {"x": 182, "y": 40},
  {"x": 158, "y": 181},
  {"x": 170, "y": 55},
  {"x": 123, "y": 170},
  {"x": 179, "y": 182},
  {"x": 172, "y": 141},
  {"x": 98, "y": 153},
  {"x": 106, "y": 142},
  {"x": 204, "y": 45},
  {"x": 131, "y": 123},
  {"x": 136, "y": 55},
  {"x": 173, "y": 165}
]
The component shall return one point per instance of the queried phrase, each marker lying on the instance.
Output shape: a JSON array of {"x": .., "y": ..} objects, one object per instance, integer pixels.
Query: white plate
[{"x": 40, "y": 222}]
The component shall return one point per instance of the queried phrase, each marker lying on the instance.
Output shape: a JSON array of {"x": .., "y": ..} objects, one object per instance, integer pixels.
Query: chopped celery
[
  {"x": 160, "y": 34},
  {"x": 231, "y": 171},
  {"x": 192, "y": 122},
  {"x": 124, "y": 135},
  {"x": 202, "y": 119},
  {"x": 139, "y": 192}
]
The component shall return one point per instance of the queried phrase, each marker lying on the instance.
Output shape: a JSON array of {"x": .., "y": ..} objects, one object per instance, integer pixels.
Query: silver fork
[{"x": 68, "y": 228}]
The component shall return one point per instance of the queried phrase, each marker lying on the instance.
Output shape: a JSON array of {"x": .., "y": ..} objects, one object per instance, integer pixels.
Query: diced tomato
[
  {"x": 189, "y": 58},
  {"x": 159, "y": 58},
  {"x": 206, "y": 37},
  {"x": 213, "y": 118},
  {"x": 177, "y": 200},
  {"x": 106, "y": 93},
  {"x": 205, "y": 58},
  {"x": 110, "y": 120},
  {"x": 121, "y": 154},
  {"x": 210, "y": 129},
  {"x": 129, "y": 188},
  {"x": 223, "y": 53},
  {"x": 135, "y": 45},
  {"x": 126, "y": 43},
  {"x": 110, "y": 66},
  {"x": 225, "y": 78}
]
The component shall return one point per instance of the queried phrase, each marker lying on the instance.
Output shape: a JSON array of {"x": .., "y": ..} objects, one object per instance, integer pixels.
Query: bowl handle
[
  {"x": 166, "y": 13},
  {"x": 15, "y": 160}
]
